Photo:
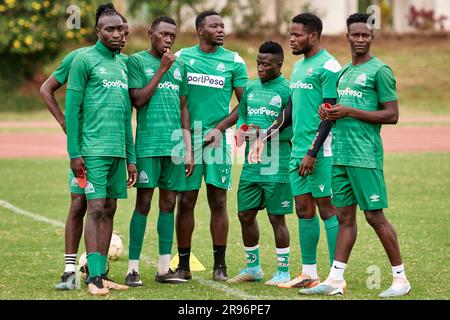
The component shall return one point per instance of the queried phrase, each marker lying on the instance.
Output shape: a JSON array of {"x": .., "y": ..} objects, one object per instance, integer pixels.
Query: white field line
[{"x": 208, "y": 283}]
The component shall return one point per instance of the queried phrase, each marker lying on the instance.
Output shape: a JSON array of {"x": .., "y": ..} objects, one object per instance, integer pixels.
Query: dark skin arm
[
  {"x": 47, "y": 91},
  {"x": 229, "y": 121},
  {"x": 186, "y": 125},
  {"x": 132, "y": 175},
  {"x": 388, "y": 114},
  {"x": 140, "y": 97}
]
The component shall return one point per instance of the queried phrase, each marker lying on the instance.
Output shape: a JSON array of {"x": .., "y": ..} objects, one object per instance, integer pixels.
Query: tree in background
[{"x": 35, "y": 31}]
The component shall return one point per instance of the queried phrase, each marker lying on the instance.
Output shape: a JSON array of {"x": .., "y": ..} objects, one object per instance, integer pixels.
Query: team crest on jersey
[
  {"x": 220, "y": 67},
  {"x": 309, "y": 72},
  {"x": 89, "y": 188},
  {"x": 74, "y": 182},
  {"x": 192, "y": 61},
  {"x": 150, "y": 72},
  {"x": 276, "y": 101},
  {"x": 143, "y": 178},
  {"x": 124, "y": 75},
  {"x": 102, "y": 70},
  {"x": 361, "y": 80},
  {"x": 177, "y": 74}
]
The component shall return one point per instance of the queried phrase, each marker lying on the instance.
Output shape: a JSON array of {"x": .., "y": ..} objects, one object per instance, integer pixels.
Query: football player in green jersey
[
  {"x": 313, "y": 82},
  {"x": 157, "y": 86},
  {"x": 74, "y": 222},
  {"x": 266, "y": 185},
  {"x": 367, "y": 100},
  {"x": 213, "y": 74},
  {"x": 100, "y": 138}
]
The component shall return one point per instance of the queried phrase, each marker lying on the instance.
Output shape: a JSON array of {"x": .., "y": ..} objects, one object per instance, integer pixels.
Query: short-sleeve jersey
[
  {"x": 366, "y": 86},
  {"x": 161, "y": 116},
  {"x": 260, "y": 105},
  {"x": 62, "y": 72},
  {"x": 105, "y": 114},
  {"x": 312, "y": 80},
  {"x": 211, "y": 78}
]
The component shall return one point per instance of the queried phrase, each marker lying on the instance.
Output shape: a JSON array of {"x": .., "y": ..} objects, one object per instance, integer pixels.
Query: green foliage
[
  {"x": 245, "y": 17},
  {"x": 34, "y": 32},
  {"x": 152, "y": 9}
]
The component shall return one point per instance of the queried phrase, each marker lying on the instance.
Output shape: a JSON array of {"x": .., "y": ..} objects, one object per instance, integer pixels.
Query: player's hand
[
  {"x": 255, "y": 151},
  {"x": 77, "y": 165},
  {"x": 132, "y": 175},
  {"x": 322, "y": 111},
  {"x": 337, "y": 112},
  {"x": 213, "y": 138},
  {"x": 167, "y": 60},
  {"x": 307, "y": 166},
  {"x": 253, "y": 132},
  {"x": 189, "y": 164}
]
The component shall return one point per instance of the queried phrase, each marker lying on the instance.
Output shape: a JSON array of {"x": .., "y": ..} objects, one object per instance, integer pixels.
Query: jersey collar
[{"x": 105, "y": 51}]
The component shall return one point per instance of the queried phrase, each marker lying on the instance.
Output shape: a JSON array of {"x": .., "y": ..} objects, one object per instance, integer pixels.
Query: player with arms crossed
[
  {"x": 367, "y": 100},
  {"x": 157, "y": 86},
  {"x": 74, "y": 222},
  {"x": 213, "y": 74},
  {"x": 266, "y": 185},
  {"x": 100, "y": 139}
]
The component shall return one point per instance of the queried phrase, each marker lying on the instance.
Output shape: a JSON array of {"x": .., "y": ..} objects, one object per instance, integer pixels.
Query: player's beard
[{"x": 307, "y": 48}]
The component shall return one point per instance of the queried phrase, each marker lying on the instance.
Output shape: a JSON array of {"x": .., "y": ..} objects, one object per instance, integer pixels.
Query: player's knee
[
  {"x": 346, "y": 220},
  {"x": 218, "y": 207},
  {"x": 375, "y": 218},
  {"x": 167, "y": 204},
  {"x": 78, "y": 207},
  {"x": 143, "y": 206},
  {"x": 277, "y": 221},
  {"x": 245, "y": 219},
  {"x": 96, "y": 213}
]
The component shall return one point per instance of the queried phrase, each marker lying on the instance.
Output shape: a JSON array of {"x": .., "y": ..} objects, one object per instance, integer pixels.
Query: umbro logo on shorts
[
  {"x": 285, "y": 204},
  {"x": 374, "y": 198}
]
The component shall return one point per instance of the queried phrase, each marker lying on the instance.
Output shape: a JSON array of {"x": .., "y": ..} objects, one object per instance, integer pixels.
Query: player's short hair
[
  {"x": 310, "y": 21},
  {"x": 160, "y": 19},
  {"x": 201, "y": 17},
  {"x": 124, "y": 20},
  {"x": 105, "y": 10},
  {"x": 272, "y": 47},
  {"x": 358, "y": 17}
]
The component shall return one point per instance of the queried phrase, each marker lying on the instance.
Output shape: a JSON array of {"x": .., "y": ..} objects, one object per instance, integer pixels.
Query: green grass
[{"x": 32, "y": 252}]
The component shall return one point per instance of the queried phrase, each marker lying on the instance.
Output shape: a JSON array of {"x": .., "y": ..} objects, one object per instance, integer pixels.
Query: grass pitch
[{"x": 32, "y": 252}]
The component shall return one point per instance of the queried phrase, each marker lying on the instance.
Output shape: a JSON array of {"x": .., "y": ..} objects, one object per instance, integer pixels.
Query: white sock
[
  {"x": 164, "y": 264},
  {"x": 337, "y": 271},
  {"x": 70, "y": 260},
  {"x": 310, "y": 270},
  {"x": 398, "y": 272},
  {"x": 133, "y": 265}
]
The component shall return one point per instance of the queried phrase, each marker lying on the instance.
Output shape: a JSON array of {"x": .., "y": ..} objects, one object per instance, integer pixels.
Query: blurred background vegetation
[{"x": 37, "y": 36}]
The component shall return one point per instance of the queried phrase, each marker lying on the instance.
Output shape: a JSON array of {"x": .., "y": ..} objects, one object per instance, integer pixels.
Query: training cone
[{"x": 194, "y": 263}]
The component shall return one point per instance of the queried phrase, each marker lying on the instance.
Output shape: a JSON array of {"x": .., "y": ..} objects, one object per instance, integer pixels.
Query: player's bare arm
[
  {"x": 132, "y": 174},
  {"x": 47, "y": 91},
  {"x": 186, "y": 124},
  {"x": 387, "y": 115}
]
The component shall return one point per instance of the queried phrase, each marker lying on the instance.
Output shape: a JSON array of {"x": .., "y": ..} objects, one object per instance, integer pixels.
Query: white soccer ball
[{"x": 116, "y": 247}]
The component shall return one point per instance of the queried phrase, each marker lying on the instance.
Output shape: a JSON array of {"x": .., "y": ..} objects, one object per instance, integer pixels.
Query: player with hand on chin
[{"x": 157, "y": 86}]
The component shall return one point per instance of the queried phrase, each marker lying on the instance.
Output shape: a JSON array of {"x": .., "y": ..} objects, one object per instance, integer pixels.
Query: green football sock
[
  {"x": 165, "y": 232},
  {"x": 93, "y": 260},
  {"x": 103, "y": 264},
  {"x": 309, "y": 238},
  {"x": 283, "y": 259},
  {"x": 138, "y": 224},
  {"x": 252, "y": 256},
  {"x": 331, "y": 228}
]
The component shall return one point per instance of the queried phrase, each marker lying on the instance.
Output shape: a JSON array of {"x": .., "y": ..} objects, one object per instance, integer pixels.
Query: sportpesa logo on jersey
[
  {"x": 349, "y": 92},
  {"x": 301, "y": 85},
  {"x": 262, "y": 111},
  {"x": 168, "y": 85},
  {"x": 115, "y": 84},
  {"x": 205, "y": 80}
]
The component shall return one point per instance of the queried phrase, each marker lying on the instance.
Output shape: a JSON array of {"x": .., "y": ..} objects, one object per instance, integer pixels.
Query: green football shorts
[
  {"x": 106, "y": 178},
  {"x": 363, "y": 186},
  {"x": 276, "y": 197},
  {"x": 162, "y": 172},
  {"x": 212, "y": 163},
  {"x": 73, "y": 184},
  {"x": 318, "y": 183}
]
